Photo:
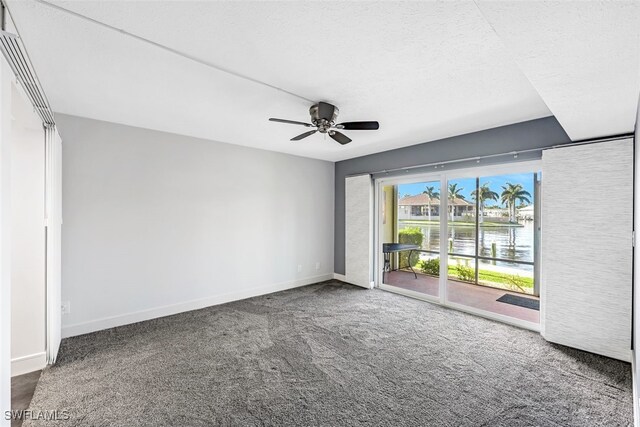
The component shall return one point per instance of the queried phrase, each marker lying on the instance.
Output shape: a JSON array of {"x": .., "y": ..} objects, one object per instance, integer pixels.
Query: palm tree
[
  {"x": 483, "y": 193},
  {"x": 455, "y": 193},
  {"x": 512, "y": 193},
  {"x": 431, "y": 194}
]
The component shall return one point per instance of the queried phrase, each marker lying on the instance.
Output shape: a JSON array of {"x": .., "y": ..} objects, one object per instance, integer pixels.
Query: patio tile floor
[{"x": 476, "y": 296}]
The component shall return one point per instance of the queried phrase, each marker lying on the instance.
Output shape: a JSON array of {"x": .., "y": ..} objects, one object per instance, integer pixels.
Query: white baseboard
[
  {"x": 168, "y": 310},
  {"x": 28, "y": 363}
]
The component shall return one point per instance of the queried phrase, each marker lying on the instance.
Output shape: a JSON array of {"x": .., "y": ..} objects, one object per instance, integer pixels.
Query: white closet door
[
  {"x": 54, "y": 242},
  {"x": 358, "y": 230},
  {"x": 587, "y": 208}
]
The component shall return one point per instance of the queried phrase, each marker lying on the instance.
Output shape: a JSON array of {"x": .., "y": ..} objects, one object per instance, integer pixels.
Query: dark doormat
[{"x": 533, "y": 304}]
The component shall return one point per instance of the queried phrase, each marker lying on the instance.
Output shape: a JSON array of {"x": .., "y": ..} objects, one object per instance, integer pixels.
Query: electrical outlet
[
  {"x": 66, "y": 307},
  {"x": 317, "y": 265},
  {"x": 299, "y": 268}
]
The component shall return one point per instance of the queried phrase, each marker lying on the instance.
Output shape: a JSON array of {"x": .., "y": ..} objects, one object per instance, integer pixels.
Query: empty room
[{"x": 322, "y": 213}]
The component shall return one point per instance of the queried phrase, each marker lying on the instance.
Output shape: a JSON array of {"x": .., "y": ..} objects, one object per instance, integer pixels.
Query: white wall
[
  {"x": 28, "y": 238},
  {"x": 156, "y": 223}
]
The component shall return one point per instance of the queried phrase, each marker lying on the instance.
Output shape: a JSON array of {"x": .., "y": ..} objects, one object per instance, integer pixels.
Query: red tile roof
[{"x": 423, "y": 200}]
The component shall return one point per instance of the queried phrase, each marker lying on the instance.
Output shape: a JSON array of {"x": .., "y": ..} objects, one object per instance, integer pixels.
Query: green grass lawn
[
  {"x": 495, "y": 277},
  {"x": 492, "y": 278}
]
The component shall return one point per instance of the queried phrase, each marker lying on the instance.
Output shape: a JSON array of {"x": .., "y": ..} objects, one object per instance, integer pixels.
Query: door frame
[{"x": 443, "y": 176}]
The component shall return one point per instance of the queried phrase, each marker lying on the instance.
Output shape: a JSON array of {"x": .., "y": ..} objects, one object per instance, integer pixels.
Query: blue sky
[{"x": 469, "y": 184}]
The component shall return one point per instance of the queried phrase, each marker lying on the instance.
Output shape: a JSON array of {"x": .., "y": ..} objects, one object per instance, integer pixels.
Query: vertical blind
[
  {"x": 53, "y": 209},
  {"x": 587, "y": 214},
  {"x": 16, "y": 55},
  {"x": 358, "y": 230}
]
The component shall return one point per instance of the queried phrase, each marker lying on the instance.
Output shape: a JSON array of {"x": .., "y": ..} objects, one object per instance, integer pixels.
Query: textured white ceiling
[
  {"x": 425, "y": 70},
  {"x": 583, "y": 57}
]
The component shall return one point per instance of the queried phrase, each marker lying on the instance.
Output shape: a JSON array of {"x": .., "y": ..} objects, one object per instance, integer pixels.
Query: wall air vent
[{"x": 18, "y": 60}]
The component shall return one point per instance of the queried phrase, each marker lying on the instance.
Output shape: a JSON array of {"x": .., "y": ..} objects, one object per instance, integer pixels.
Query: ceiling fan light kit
[{"x": 323, "y": 118}]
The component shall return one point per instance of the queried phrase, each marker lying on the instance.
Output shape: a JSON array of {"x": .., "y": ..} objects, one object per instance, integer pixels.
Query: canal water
[{"x": 513, "y": 243}]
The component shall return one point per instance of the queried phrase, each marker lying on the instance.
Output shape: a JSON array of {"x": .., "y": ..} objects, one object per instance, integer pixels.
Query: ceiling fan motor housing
[
  {"x": 323, "y": 124},
  {"x": 323, "y": 118}
]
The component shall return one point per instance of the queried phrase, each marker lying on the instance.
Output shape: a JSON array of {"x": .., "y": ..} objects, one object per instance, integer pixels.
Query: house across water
[{"x": 418, "y": 207}]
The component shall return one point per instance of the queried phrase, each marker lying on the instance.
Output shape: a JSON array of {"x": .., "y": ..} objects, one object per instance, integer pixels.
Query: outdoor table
[{"x": 390, "y": 248}]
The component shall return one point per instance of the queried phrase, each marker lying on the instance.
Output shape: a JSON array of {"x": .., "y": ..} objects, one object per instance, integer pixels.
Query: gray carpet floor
[{"x": 335, "y": 355}]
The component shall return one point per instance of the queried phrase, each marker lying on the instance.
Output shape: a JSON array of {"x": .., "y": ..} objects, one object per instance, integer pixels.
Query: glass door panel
[
  {"x": 491, "y": 248},
  {"x": 411, "y": 240},
  {"x": 507, "y": 237},
  {"x": 461, "y": 237},
  {"x": 504, "y": 275}
]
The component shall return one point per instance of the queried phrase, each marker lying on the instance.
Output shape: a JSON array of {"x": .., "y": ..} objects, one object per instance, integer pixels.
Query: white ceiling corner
[
  {"x": 583, "y": 58},
  {"x": 424, "y": 70}
]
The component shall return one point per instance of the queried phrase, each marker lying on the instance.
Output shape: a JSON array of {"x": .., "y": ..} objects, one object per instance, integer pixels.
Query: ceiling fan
[{"x": 323, "y": 118}]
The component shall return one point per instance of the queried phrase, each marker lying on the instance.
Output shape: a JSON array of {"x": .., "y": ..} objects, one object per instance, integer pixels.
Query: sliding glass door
[
  {"x": 508, "y": 223},
  {"x": 411, "y": 237},
  {"x": 467, "y": 240},
  {"x": 462, "y": 230},
  {"x": 491, "y": 231}
]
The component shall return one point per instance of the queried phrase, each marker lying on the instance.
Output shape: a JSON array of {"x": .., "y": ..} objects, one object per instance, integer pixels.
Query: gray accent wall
[{"x": 512, "y": 138}]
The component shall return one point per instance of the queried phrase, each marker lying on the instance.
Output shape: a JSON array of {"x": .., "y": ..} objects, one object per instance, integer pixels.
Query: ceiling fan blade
[
  {"x": 291, "y": 122},
  {"x": 340, "y": 137},
  {"x": 359, "y": 126},
  {"x": 325, "y": 111},
  {"x": 304, "y": 135}
]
